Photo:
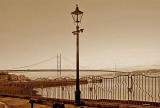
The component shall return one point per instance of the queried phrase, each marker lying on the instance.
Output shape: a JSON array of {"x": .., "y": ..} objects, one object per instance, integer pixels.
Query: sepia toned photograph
[{"x": 79, "y": 53}]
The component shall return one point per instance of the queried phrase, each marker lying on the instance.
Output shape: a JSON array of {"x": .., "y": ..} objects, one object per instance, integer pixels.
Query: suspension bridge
[{"x": 58, "y": 62}]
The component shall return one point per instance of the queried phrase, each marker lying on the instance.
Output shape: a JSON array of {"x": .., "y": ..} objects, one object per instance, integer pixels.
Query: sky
[{"x": 121, "y": 33}]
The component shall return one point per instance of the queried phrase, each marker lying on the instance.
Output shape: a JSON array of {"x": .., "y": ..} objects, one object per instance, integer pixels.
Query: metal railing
[{"x": 137, "y": 89}]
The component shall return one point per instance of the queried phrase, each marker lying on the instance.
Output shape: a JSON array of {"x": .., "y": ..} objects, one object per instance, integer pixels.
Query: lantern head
[{"x": 77, "y": 15}]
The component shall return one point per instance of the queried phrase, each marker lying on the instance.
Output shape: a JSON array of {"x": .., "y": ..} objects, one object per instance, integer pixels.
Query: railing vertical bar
[
  {"x": 82, "y": 91},
  {"x": 56, "y": 92},
  {"x": 100, "y": 91},
  {"x": 155, "y": 91},
  {"x": 65, "y": 93},
  {"x": 159, "y": 88},
  {"x": 93, "y": 94},
  {"x": 92, "y": 87},
  {"x": 120, "y": 87},
  {"x": 117, "y": 87},
  {"x": 106, "y": 89},
  {"x": 134, "y": 84},
  {"x": 142, "y": 89},
  {"x": 136, "y": 87},
  {"x": 59, "y": 92},
  {"x": 53, "y": 92},
  {"x": 123, "y": 88},
  {"x": 145, "y": 89},
  {"x": 72, "y": 93},
  {"x": 62, "y": 91},
  {"x": 113, "y": 88},
  {"x": 74, "y": 89},
  {"x": 148, "y": 88},
  {"x": 131, "y": 88},
  {"x": 97, "y": 90},
  {"x": 152, "y": 89},
  {"x": 50, "y": 92},
  {"x": 139, "y": 88},
  {"x": 128, "y": 89},
  {"x": 90, "y": 96},
  {"x": 110, "y": 89},
  {"x": 89, "y": 92},
  {"x": 104, "y": 81},
  {"x": 102, "y": 87},
  {"x": 67, "y": 97},
  {"x": 94, "y": 91},
  {"x": 87, "y": 88}
]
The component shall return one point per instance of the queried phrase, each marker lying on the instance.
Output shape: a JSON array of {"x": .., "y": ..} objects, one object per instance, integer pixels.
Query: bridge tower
[{"x": 59, "y": 65}]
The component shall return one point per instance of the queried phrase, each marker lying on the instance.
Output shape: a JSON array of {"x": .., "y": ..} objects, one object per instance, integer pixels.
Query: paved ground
[
  {"x": 18, "y": 103},
  {"x": 8, "y": 102}
]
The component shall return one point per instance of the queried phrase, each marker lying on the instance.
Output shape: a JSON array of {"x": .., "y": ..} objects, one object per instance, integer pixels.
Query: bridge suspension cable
[
  {"x": 72, "y": 63},
  {"x": 34, "y": 64}
]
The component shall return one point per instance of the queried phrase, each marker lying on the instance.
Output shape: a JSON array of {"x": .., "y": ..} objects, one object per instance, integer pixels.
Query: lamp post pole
[
  {"x": 77, "y": 20},
  {"x": 77, "y": 92}
]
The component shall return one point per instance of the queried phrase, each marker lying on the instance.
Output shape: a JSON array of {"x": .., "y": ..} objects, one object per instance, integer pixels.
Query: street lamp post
[{"x": 77, "y": 16}]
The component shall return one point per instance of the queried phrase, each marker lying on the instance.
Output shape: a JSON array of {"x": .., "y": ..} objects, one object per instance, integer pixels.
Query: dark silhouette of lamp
[{"x": 77, "y": 17}]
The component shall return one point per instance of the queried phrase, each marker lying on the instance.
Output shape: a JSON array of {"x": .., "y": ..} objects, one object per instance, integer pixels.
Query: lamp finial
[{"x": 76, "y": 5}]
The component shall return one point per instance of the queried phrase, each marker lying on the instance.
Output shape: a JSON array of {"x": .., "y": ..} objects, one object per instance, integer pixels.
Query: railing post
[
  {"x": 32, "y": 103},
  {"x": 55, "y": 105}
]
